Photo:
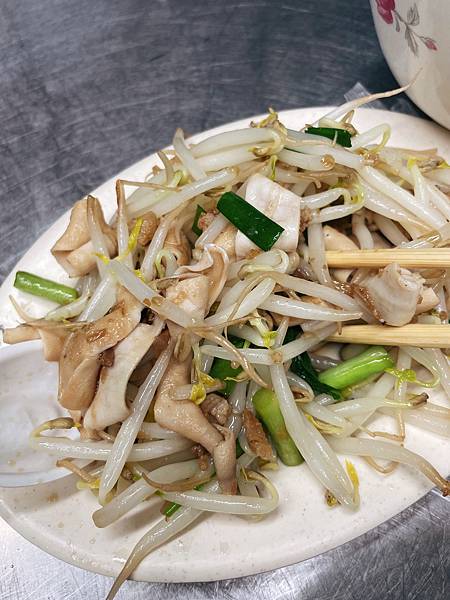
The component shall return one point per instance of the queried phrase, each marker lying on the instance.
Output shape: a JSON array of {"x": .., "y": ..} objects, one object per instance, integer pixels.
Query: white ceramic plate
[{"x": 57, "y": 518}]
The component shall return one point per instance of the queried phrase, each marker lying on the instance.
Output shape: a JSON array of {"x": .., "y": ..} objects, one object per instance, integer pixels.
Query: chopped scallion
[
  {"x": 268, "y": 410},
  {"x": 261, "y": 230},
  {"x": 342, "y": 136},
  {"x": 222, "y": 369},
  {"x": 301, "y": 365},
  {"x": 355, "y": 370},
  {"x": 45, "y": 288}
]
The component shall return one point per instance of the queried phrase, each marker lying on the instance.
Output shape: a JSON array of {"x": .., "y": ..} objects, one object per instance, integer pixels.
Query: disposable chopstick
[
  {"x": 414, "y": 334},
  {"x": 405, "y": 257}
]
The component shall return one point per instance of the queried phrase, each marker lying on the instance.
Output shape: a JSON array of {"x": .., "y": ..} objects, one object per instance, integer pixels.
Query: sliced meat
[
  {"x": 77, "y": 231},
  {"x": 224, "y": 456},
  {"x": 109, "y": 404},
  {"x": 206, "y": 219},
  {"x": 178, "y": 244},
  {"x": 216, "y": 409},
  {"x": 427, "y": 301},
  {"x": 256, "y": 437},
  {"x": 21, "y": 333},
  {"x": 74, "y": 250},
  {"x": 53, "y": 337},
  {"x": 183, "y": 416},
  {"x": 148, "y": 228},
  {"x": 53, "y": 340},
  {"x": 213, "y": 264},
  {"x": 106, "y": 358},
  {"x": 305, "y": 219},
  {"x": 335, "y": 240},
  {"x": 79, "y": 363},
  {"x": 202, "y": 455},
  {"x": 361, "y": 292},
  {"x": 217, "y": 274},
  {"x": 187, "y": 419},
  {"x": 226, "y": 241},
  {"x": 395, "y": 293},
  {"x": 191, "y": 295}
]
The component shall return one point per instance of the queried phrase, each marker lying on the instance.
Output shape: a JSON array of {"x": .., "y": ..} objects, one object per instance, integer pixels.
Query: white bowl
[{"x": 414, "y": 35}]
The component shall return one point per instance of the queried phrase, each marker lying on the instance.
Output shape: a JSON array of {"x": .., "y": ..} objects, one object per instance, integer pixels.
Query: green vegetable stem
[
  {"x": 268, "y": 410},
  {"x": 261, "y": 230},
  {"x": 355, "y": 370},
  {"x": 45, "y": 288},
  {"x": 342, "y": 136}
]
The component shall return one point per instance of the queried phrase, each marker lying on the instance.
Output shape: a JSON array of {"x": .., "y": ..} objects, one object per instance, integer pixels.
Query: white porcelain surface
[
  {"x": 57, "y": 517},
  {"x": 19, "y": 414},
  {"x": 414, "y": 35}
]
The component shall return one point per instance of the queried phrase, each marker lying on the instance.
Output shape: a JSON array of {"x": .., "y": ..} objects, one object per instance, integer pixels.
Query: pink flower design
[
  {"x": 385, "y": 8},
  {"x": 430, "y": 44},
  {"x": 387, "y": 11}
]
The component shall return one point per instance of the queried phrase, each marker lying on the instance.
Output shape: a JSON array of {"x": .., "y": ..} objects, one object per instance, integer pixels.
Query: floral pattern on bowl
[{"x": 389, "y": 14}]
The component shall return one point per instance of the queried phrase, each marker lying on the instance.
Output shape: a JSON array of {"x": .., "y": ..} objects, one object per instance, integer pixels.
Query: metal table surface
[{"x": 87, "y": 88}]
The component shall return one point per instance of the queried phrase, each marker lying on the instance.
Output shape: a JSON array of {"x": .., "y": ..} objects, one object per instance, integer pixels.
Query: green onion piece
[
  {"x": 198, "y": 213},
  {"x": 222, "y": 369},
  {"x": 355, "y": 370},
  {"x": 268, "y": 410},
  {"x": 301, "y": 366},
  {"x": 45, "y": 288},
  {"x": 342, "y": 136},
  {"x": 261, "y": 230}
]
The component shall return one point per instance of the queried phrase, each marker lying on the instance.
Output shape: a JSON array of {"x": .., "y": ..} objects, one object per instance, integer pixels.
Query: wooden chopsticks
[
  {"x": 414, "y": 334},
  {"x": 406, "y": 257}
]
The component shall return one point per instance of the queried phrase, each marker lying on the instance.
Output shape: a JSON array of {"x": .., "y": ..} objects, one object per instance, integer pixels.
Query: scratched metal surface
[{"x": 87, "y": 88}]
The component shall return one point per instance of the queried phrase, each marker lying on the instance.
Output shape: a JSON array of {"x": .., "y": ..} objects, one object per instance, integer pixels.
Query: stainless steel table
[{"x": 87, "y": 88}]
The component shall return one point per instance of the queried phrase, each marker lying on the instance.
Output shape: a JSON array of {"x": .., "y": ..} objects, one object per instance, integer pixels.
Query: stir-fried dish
[{"x": 257, "y": 300}]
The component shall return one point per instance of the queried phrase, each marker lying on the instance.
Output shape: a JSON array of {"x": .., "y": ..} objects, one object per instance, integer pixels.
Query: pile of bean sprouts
[{"x": 365, "y": 196}]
